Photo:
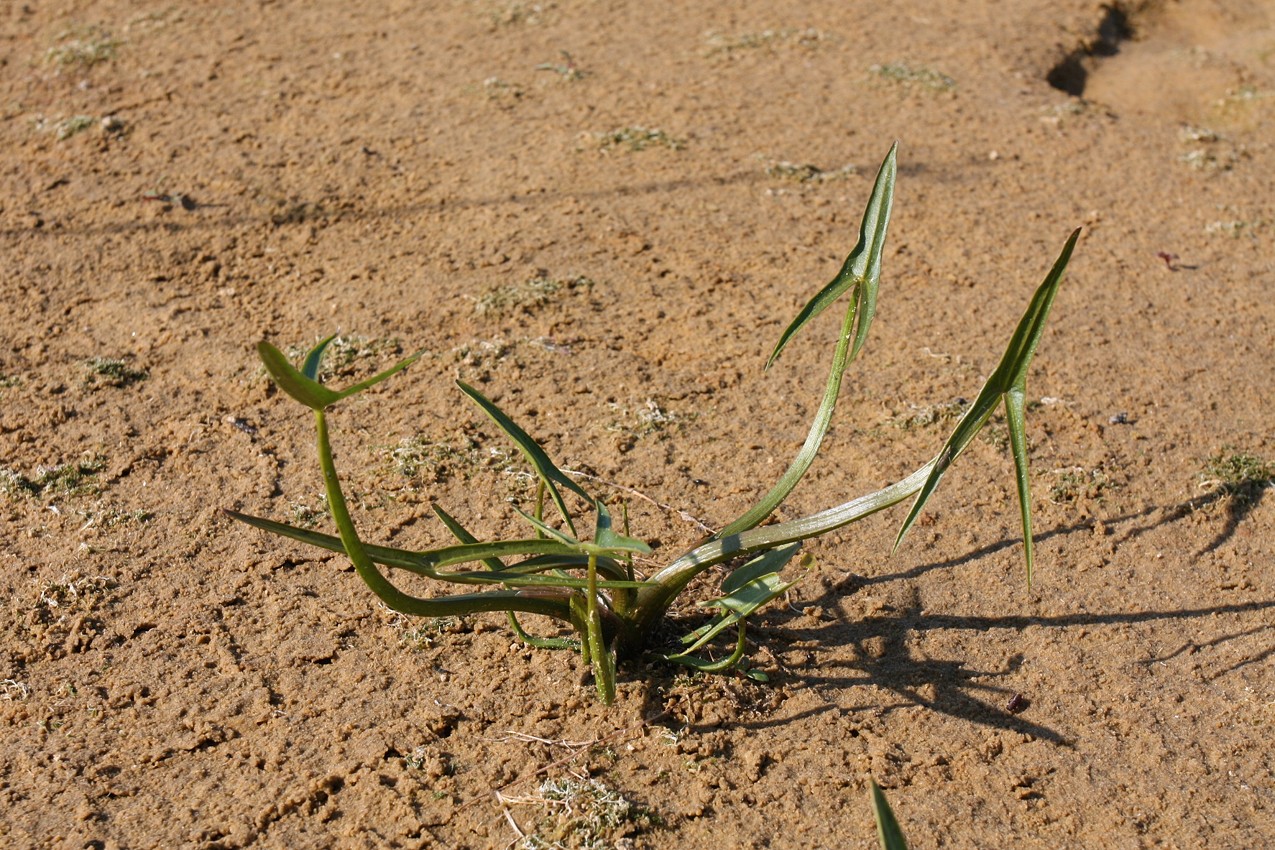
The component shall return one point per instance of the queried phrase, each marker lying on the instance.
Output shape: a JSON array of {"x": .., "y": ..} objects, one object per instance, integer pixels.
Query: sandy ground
[{"x": 603, "y": 214}]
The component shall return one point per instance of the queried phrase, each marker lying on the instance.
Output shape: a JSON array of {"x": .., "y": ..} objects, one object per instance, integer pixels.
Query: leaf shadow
[
  {"x": 1238, "y": 508},
  {"x": 327, "y": 210},
  {"x": 1239, "y": 502},
  {"x": 948, "y": 686}
]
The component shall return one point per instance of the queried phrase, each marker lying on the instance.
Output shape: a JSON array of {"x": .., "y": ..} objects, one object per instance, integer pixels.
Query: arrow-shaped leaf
[
  {"x": 1008, "y": 382},
  {"x": 861, "y": 273}
]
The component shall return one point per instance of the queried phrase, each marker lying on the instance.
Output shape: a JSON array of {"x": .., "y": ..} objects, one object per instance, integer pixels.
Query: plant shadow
[
  {"x": 1238, "y": 507},
  {"x": 299, "y": 211},
  {"x": 948, "y": 686},
  {"x": 882, "y": 659}
]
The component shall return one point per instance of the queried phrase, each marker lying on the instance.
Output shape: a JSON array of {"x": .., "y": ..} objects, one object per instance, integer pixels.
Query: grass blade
[
  {"x": 861, "y": 273},
  {"x": 670, "y": 581},
  {"x": 396, "y": 599},
  {"x": 768, "y": 562},
  {"x": 549, "y": 531},
  {"x": 888, "y": 832},
  {"x": 735, "y": 607},
  {"x": 462, "y": 534},
  {"x": 495, "y": 565},
  {"x": 728, "y": 663},
  {"x": 381, "y": 376},
  {"x": 427, "y": 563},
  {"x": 606, "y": 538},
  {"x": 314, "y": 359},
  {"x": 1009, "y": 378},
  {"x": 1015, "y": 415},
  {"x": 303, "y": 384}
]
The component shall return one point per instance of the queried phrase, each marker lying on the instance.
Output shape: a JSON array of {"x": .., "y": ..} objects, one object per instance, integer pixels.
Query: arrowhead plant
[{"x": 588, "y": 582}]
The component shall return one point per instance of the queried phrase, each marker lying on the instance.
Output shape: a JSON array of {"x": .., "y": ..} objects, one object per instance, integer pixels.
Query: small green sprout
[
  {"x": 1240, "y": 475},
  {"x": 637, "y": 139},
  {"x": 73, "y": 126},
  {"x": 726, "y": 45},
  {"x": 535, "y": 292},
  {"x": 585, "y": 578},
  {"x": 113, "y": 372},
  {"x": 65, "y": 479},
  {"x": 111, "y": 517},
  {"x": 807, "y": 173},
  {"x": 934, "y": 414},
  {"x": 306, "y": 516},
  {"x": 1076, "y": 483}
]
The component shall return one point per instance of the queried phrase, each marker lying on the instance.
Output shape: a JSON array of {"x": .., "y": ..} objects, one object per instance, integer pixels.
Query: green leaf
[
  {"x": 1016, "y": 417},
  {"x": 314, "y": 359},
  {"x": 540, "y": 462},
  {"x": 862, "y": 268},
  {"x": 507, "y": 600},
  {"x": 861, "y": 273},
  {"x": 1008, "y": 383},
  {"x": 724, "y": 664},
  {"x": 745, "y": 590},
  {"x": 462, "y": 534},
  {"x": 303, "y": 384},
  {"x": 381, "y": 376},
  {"x": 549, "y": 531},
  {"x": 302, "y": 388},
  {"x": 888, "y": 832},
  {"x": 768, "y": 562},
  {"x": 606, "y": 538},
  {"x": 427, "y": 563},
  {"x": 668, "y": 582}
]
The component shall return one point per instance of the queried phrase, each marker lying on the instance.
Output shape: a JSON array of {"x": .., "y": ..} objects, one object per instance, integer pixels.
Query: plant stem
[
  {"x": 665, "y": 585},
  {"x": 603, "y": 664}
]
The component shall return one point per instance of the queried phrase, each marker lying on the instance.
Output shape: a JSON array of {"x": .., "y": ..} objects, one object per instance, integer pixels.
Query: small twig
[
  {"x": 513, "y": 824},
  {"x": 523, "y": 736},
  {"x": 685, "y": 516}
]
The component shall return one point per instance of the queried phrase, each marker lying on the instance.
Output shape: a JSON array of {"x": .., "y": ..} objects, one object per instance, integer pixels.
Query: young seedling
[
  {"x": 1239, "y": 475},
  {"x": 588, "y": 582}
]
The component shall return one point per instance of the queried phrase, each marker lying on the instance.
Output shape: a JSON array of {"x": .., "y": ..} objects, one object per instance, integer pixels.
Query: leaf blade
[
  {"x": 862, "y": 273},
  {"x": 289, "y": 379},
  {"x": 889, "y": 834},
  {"x": 1009, "y": 376},
  {"x": 545, "y": 468},
  {"x": 865, "y": 255}
]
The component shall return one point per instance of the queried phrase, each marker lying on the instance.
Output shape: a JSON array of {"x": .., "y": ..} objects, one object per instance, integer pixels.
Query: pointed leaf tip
[
  {"x": 889, "y": 835},
  {"x": 1008, "y": 382},
  {"x": 861, "y": 269}
]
